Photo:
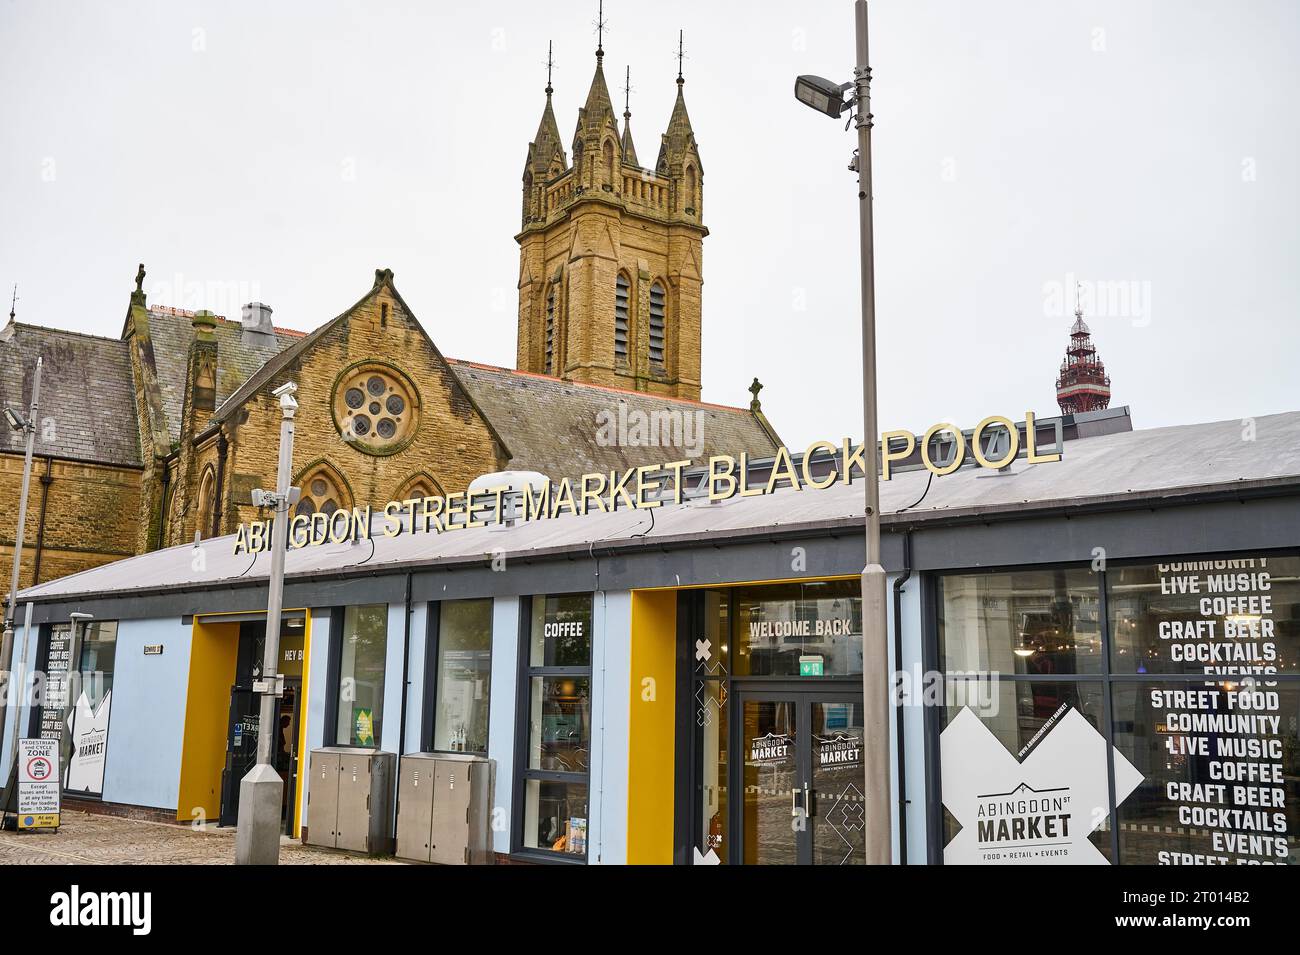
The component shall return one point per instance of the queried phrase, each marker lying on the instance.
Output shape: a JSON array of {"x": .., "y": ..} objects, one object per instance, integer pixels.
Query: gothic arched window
[
  {"x": 692, "y": 193},
  {"x": 322, "y": 491},
  {"x": 204, "y": 511},
  {"x": 622, "y": 296},
  {"x": 658, "y": 322},
  {"x": 421, "y": 484}
]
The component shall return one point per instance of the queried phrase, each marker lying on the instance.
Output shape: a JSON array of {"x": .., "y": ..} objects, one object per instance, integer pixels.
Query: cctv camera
[{"x": 287, "y": 388}]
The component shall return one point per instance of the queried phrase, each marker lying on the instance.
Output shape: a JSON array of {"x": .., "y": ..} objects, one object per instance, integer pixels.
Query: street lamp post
[
  {"x": 828, "y": 97},
  {"x": 261, "y": 791},
  {"x": 28, "y": 425}
]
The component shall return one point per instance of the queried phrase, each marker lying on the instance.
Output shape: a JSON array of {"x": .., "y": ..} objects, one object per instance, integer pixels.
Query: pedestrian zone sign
[{"x": 38, "y": 784}]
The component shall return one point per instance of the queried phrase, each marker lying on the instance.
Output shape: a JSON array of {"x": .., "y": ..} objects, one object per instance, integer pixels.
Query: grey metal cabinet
[
  {"x": 323, "y": 799},
  {"x": 415, "y": 807},
  {"x": 350, "y": 799},
  {"x": 444, "y": 809}
]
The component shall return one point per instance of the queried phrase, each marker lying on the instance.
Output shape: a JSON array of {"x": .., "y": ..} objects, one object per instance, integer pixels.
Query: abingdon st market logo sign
[{"x": 654, "y": 485}]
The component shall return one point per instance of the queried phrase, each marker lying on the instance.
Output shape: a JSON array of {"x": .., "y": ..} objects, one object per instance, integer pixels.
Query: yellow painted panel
[
  {"x": 214, "y": 650},
  {"x": 651, "y": 728}
]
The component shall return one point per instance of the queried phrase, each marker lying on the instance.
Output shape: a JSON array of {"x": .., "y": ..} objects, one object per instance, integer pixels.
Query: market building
[{"x": 1096, "y": 652}]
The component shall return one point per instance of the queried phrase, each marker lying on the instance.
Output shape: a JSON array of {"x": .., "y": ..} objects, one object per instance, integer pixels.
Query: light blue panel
[
  {"x": 392, "y": 728},
  {"x": 19, "y": 694},
  {"x": 914, "y": 724},
  {"x": 912, "y": 671},
  {"x": 146, "y": 725},
  {"x": 317, "y": 692},
  {"x": 611, "y": 661},
  {"x": 415, "y": 688},
  {"x": 501, "y": 714}
]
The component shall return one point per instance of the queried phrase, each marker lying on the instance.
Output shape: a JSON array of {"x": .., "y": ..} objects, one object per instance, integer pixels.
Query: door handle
[
  {"x": 807, "y": 801},
  {"x": 795, "y": 806}
]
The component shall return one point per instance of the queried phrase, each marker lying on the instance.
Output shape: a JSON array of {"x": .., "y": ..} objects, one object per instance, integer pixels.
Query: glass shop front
[
  {"x": 1143, "y": 713},
  {"x": 776, "y": 700}
]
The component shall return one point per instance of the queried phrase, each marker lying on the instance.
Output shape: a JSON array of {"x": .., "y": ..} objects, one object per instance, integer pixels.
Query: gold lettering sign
[{"x": 651, "y": 486}]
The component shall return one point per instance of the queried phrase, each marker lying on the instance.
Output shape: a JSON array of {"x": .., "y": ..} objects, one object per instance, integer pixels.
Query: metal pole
[
  {"x": 261, "y": 791},
  {"x": 15, "y": 697},
  {"x": 7, "y": 648},
  {"x": 875, "y": 641}
]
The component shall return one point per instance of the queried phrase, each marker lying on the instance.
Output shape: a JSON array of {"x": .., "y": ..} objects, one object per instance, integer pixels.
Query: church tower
[{"x": 610, "y": 253}]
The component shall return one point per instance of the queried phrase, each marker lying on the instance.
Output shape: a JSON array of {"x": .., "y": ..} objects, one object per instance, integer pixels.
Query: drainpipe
[
  {"x": 406, "y": 689},
  {"x": 898, "y": 703},
  {"x": 162, "y": 505},
  {"x": 46, "y": 480},
  {"x": 222, "y": 447}
]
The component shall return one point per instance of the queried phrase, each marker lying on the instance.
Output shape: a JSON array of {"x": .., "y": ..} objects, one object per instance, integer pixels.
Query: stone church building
[{"x": 158, "y": 436}]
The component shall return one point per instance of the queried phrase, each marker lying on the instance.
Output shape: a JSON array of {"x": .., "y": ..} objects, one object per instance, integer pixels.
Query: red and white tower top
[{"x": 1083, "y": 384}]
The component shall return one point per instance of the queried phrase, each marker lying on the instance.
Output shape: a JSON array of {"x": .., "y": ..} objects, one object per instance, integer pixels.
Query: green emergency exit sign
[{"x": 810, "y": 666}]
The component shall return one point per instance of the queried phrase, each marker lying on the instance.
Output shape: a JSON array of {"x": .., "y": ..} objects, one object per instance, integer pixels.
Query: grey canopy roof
[{"x": 1135, "y": 466}]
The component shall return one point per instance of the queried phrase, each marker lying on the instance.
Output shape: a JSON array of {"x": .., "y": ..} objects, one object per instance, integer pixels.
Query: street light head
[
  {"x": 821, "y": 94},
  {"x": 76, "y": 616},
  {"x": 15, "y": 420}
]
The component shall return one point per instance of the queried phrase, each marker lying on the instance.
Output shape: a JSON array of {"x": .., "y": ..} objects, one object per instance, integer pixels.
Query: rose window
[{"x": 375, "y": 408}]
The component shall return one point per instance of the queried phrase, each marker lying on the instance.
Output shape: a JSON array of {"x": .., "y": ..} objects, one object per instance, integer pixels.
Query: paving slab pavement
[{"x": 96, "y": 839}]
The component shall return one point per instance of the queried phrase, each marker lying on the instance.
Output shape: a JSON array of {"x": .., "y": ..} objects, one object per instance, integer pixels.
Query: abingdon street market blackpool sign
[{"x": 644, "y": 487}]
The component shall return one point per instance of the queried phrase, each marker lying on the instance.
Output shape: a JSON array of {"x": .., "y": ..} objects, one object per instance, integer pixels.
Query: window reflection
[
  {"x": 364, "y": 647},
  {"x": 1028, "y": 622},
  {"x": 464, "y": 676}
]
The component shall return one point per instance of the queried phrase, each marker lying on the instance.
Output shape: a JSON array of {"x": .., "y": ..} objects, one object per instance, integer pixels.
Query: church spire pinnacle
[
  {"x": 629, "y": 150},
  {"x": 545, "y": 152},
  {"x": 598, "y": 111},
  {"x": 679, "y": 138}
]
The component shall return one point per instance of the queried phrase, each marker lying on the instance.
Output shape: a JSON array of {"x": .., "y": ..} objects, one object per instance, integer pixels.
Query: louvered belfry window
[
  {"x": 550, "y": 331},
  {"x": 621, "y": 294},
  {"x": 657, "y": 312}
]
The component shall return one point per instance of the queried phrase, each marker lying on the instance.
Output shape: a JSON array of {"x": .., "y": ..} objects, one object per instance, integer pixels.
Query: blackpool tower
[{"x": 1083, "y": 384}]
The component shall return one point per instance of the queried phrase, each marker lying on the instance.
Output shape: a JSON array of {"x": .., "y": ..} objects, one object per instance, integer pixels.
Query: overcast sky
[{"x": 283, "y": 151}]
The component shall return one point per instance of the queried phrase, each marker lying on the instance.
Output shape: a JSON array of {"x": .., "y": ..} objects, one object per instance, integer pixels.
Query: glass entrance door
[
  {"x": 837, "y": 814},
  {"x": 801, "y": 786},
  {"x": 773, "y": 780},
  {"x": 243, "y": 728}
]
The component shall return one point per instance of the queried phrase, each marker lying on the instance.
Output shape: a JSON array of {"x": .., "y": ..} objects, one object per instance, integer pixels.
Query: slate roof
[
  {"x": 172, "y": 331},
  {"x": 1129, "y": 466},
  {"x": 236, "y": 397},
  {"x": 552, "y": 426},
  {"x": 86, "y": 393}
]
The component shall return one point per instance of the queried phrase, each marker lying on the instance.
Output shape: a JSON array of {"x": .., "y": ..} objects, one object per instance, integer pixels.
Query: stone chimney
[{"x": 257, "y": 323}]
